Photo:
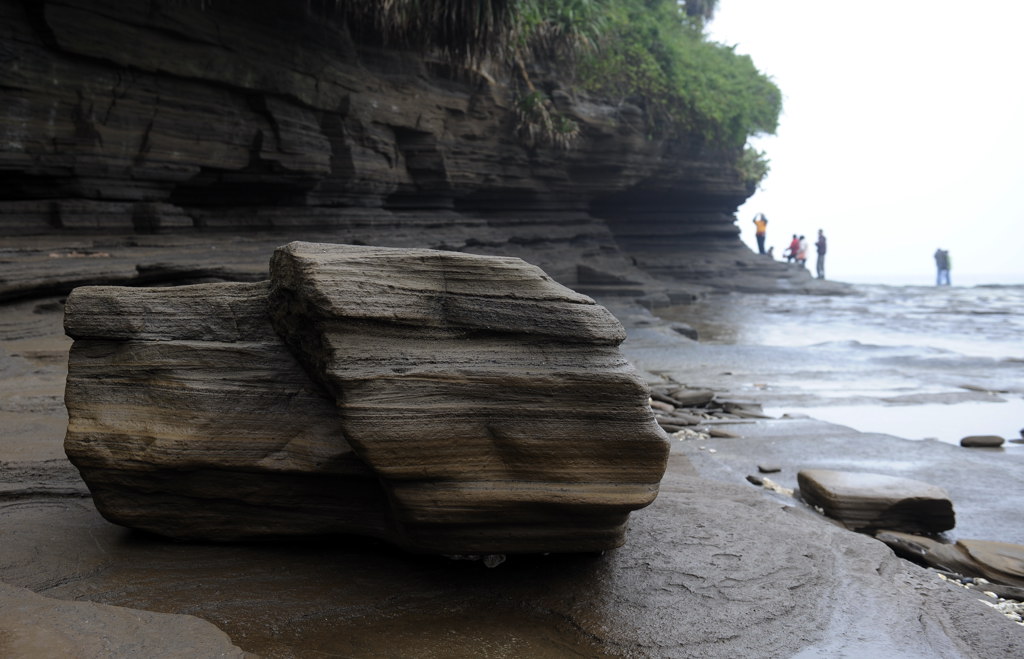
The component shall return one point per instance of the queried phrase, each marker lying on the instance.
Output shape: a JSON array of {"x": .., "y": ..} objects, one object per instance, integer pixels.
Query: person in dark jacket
[{"x": 822, "y": 246}]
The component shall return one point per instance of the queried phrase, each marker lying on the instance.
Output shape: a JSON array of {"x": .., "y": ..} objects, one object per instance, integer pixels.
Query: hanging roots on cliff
[{"x": 539, "y": 123}]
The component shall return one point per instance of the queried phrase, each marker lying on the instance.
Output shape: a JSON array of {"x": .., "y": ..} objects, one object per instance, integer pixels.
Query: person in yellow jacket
[{"x": 761, "y": 224}]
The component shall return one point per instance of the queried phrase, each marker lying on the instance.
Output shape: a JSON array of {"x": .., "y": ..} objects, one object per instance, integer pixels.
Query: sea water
[{"x": 913, "y": 361}]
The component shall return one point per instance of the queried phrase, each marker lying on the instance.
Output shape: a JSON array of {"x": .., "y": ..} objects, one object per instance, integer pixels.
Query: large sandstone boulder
[{"x": 445, "y": 402}]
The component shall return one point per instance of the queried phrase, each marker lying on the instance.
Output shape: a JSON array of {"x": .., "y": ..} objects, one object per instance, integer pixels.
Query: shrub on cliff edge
[{"x": 656, "y": 56}]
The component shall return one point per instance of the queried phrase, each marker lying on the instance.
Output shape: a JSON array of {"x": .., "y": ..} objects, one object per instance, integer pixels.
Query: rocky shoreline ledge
[{"x": 714, "y": 567}]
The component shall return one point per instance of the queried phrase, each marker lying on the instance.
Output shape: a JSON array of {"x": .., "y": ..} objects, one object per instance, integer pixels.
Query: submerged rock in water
[
  {"x": 875, "y": 501},
  {"x": 444, "y": 402}
]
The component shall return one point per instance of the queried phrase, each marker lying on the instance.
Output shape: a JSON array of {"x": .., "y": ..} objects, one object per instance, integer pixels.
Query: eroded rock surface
[{"x": 445, "y": 402}]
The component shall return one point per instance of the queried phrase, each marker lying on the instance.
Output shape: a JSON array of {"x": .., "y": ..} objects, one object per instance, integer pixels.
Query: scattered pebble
[
  {"x": 658, "y": 405},
  {"x": 769, "y": 469},
  {"x": 494, "y": 560},
  {"x": 489, "y": 560},
  {"x": 687, "y": 433},
  {"x": 679, "y": 407},
  {"x": 769, "y": 484},
  {"x": 1011, "y": 609}
]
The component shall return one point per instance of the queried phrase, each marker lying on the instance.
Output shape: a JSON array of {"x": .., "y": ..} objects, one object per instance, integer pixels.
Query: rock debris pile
[{"x": 689, "y": 413}]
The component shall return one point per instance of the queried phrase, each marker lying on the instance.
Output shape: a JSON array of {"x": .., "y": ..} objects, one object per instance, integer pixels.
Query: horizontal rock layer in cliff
[
  {"x": 164, "y": 106},
  {"x": 445, "y": 402}
]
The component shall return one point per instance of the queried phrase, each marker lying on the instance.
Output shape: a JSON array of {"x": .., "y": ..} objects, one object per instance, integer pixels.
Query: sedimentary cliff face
[{"x": 159, "y": 116}]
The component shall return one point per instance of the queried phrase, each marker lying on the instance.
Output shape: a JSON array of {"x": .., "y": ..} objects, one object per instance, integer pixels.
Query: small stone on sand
[{"x": 982, "y": 441}]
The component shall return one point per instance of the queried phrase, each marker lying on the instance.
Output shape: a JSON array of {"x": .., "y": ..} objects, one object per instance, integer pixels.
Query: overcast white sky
[{"x": 902, "y": 131}]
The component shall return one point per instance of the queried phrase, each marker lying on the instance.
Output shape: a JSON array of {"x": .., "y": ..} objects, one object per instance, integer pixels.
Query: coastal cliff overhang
[
  {"x": 170, "y": 119},
  {"x": 169, "y": 113}
]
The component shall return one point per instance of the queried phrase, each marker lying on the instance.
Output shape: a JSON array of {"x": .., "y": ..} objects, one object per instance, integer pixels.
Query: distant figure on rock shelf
[
  {"x": 761, "y": 229},
  {"x": 822, "y": 246},
  {"x": 942, "y": 267},
  {"x": 801, "y": 252},
  {"x": 792, "y": 250}
]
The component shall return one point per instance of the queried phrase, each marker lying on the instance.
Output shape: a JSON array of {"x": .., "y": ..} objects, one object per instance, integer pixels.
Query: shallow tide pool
[{"x": 946, "y": 423}]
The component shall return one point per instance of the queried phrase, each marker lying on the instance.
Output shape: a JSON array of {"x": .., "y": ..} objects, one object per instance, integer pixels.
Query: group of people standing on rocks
[{"x": 798, "y": 246}]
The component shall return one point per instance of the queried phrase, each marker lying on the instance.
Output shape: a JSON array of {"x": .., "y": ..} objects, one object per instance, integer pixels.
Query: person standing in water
[
  {"x": 822, "y": 245},
  {"x": 942, "y": 263},
  {"x": 761, "y": 229}
]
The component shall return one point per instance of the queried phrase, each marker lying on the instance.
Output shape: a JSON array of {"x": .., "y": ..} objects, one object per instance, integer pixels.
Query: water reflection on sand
[{"x": 944, "y": 422}]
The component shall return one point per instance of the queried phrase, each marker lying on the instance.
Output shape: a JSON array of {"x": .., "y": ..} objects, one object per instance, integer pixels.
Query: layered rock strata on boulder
[
  {"x": 863, "y": 501},
  {"x": 444, "y": 402}
]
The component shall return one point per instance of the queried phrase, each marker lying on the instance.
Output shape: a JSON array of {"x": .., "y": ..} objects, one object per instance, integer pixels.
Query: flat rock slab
[
  {"x": 864, "y": 501},
  {"x": 444, "y": 402},
  {"x": 999, "y": 562},
  {"x": 1002, "y": 562},
  {"x": 982, "y": 441}
]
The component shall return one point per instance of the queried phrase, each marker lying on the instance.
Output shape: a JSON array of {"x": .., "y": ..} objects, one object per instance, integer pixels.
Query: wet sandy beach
[
  {"x": 712, "y": 568},
  {"x": 913, "y": 378}
]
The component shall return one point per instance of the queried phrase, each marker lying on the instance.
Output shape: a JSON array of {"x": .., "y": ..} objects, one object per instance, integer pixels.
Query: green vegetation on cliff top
[{"x": 654, "y": 54}]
